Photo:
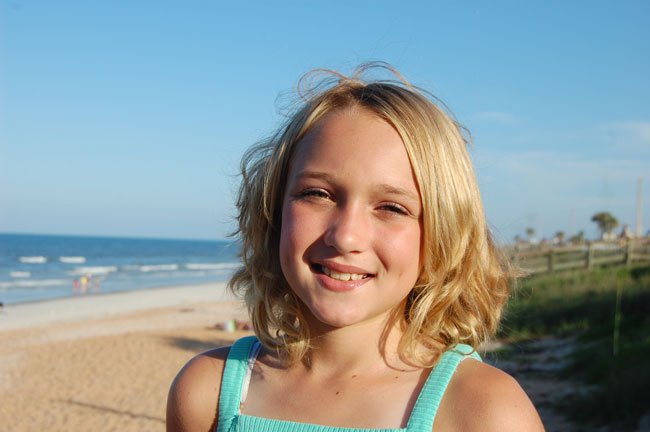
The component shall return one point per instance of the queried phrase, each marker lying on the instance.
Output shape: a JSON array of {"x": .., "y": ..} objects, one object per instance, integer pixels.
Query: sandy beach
[{"x": 104, "y": 362}]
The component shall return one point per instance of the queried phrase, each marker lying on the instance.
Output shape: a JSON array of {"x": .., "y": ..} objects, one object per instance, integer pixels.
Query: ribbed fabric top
[{"x": 421, "y": 419}]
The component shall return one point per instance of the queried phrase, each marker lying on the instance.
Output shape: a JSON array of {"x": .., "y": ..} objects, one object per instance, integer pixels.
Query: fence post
[
  {"x": 590, "y": 256},
  {"x": 551, "y": 260},
  {"x": 628, "y": 251}
]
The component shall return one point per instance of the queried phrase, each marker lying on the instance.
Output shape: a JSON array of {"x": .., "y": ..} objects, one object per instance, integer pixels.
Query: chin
[
  {"x": 338, "y": 322},
  {"x": 338, "y": 319}
]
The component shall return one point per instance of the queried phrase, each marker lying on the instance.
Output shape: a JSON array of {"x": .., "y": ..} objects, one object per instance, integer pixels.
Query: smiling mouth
[{"x": 340, "y": 276}]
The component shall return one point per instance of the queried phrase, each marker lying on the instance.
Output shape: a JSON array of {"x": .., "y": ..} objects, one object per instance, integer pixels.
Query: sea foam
[
  {"x": 95, "y": 270},
  {"x": 33, "y": 259},
  {"x": 33, "y": 283},
  {"x": 212, "y": 266},
  {"x": 72, "y": 259},
  {"x": 159, "y": 267}
]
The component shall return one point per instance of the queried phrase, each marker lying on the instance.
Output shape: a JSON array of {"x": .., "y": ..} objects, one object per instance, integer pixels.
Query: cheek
[
  {"x": 298, "y": 226},
  {"x": 402, "y": 251}
]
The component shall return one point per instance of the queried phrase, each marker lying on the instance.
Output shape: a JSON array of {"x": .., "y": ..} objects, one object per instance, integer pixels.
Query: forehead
[{"x": 355, "y": 141}]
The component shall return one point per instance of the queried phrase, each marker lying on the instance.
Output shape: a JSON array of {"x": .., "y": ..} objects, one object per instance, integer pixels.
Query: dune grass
[{"x": 607, "y": 310}]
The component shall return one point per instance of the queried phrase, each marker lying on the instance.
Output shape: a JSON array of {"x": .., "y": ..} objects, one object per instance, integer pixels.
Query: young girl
[{"x": 370, "y": 277}]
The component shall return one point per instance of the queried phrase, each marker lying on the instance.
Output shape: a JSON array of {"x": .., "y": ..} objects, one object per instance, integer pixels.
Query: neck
[{"x": 363, "y": 347}]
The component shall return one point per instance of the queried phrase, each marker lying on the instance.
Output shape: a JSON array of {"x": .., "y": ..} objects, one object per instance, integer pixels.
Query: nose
[{"x": 348, "y": 230}]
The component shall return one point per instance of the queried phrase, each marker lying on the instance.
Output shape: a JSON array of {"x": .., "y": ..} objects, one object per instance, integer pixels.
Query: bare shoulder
[
  {"x": 481, "y": 397},
  {"x": 193, "y": 398}
]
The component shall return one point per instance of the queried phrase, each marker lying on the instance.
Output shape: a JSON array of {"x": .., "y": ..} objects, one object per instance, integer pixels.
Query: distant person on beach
[
  {"x": 75, "y": 286},
  {"x": 84, "y": 282},
  {"x": 369, "y": 273}
]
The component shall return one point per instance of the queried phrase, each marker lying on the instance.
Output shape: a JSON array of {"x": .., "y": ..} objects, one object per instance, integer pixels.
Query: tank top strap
[
  {"x": 426, "y": 406},
  {"x": 234, "y": 375}
]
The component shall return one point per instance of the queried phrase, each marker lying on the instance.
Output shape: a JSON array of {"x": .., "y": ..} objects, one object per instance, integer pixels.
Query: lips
[{"x": 341, "y": 278}]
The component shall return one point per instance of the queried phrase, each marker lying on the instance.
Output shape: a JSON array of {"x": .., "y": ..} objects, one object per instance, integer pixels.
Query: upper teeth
[{"x": 342, "y": 276}]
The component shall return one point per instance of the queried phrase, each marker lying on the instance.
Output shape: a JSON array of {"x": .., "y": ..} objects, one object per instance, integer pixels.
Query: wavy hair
[{"x": 463, "y": 284}]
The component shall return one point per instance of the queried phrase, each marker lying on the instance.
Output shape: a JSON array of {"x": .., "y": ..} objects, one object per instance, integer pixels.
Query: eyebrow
[
  {"x": 394, "y": 190},
  {"x": 315, "y": 175},
  {"x": 382, "y": 187}
]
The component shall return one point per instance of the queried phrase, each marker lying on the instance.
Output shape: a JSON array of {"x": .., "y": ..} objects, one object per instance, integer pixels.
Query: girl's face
[{"x": 350, "y": 237}]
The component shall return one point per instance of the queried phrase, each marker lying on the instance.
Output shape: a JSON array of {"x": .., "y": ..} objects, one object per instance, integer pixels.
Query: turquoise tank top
[{"x": 242, "y": 356}]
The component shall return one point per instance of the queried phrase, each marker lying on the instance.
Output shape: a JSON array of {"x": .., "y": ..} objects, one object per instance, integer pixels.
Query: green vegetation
[
  {"x": 530, "y": 232},
  {"x": 578, "y": 239},
  {"x": 605, "y": 221},
  {"x": 611, "y": 360}
]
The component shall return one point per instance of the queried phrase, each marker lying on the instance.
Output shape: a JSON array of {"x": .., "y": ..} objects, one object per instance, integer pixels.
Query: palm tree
[
  {"x": 530, "y": 232},
  {"x": 560, "y": 237},
  {"x": 606, "y": 222},
  {"x": 578, "y": 238}
]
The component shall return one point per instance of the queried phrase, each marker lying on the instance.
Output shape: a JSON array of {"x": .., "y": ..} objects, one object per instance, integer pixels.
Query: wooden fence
[{"x": 549, "y": 259}]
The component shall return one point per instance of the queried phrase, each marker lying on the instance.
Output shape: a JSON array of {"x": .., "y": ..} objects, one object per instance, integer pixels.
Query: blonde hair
[{"x": 463, "y": 284}]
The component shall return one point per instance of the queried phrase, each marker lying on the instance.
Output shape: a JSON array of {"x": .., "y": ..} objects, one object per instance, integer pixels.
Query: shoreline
[{"x": 101, "y": 305}]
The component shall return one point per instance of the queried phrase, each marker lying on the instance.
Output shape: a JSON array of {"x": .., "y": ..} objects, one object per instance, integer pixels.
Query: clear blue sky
[{"x": 128, "y": 118}]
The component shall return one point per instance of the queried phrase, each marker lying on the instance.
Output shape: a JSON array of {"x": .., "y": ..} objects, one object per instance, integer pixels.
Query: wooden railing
[{"x": 553, "y": 258}]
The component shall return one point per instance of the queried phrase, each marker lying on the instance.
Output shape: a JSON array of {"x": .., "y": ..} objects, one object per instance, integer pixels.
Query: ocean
[{"x": 42, "y": 267}]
